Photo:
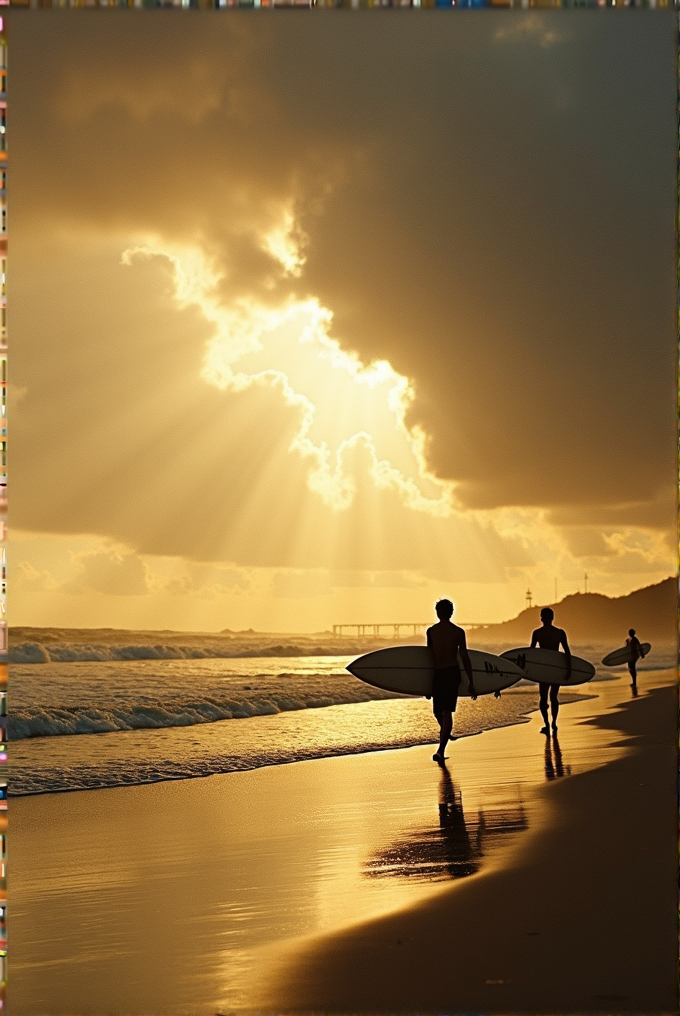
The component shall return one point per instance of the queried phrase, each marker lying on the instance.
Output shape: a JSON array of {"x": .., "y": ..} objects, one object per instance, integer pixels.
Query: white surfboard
[
  {"x": 408, "y": 670},
  {"x": 549, "y": 666},
  {"x": 622, "y": 655}
]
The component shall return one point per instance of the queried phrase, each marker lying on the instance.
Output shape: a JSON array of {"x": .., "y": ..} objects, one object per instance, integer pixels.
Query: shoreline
[
  {"x": 288, "y": 887},
  {"x": 282, "y": 738}
]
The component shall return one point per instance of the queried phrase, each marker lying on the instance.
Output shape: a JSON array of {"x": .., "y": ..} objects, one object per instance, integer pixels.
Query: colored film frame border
[
  {"x": 349, "y": 4},
  {"x": 3, "y": 509}
]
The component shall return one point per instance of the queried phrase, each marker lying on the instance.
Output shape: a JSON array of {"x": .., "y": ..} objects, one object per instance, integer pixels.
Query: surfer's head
[
  {"x": 547, "y": 614},
  {"x": 631, "y": 631},
  {"x": 444, "y": 608}
]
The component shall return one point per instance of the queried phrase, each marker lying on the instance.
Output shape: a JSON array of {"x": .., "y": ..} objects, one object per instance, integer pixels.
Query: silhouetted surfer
[
  {"x": 635, "y": 648},
  {"x": 550, "y": 637},
  {"x": 446, "y": 640}
]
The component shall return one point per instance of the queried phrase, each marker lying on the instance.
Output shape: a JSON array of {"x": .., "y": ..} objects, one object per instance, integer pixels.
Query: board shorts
[{"x": 445, "y": 685}]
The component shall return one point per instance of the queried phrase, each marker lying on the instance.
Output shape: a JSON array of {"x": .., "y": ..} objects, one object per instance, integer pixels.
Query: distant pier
[{"x": 393, "y": 628}]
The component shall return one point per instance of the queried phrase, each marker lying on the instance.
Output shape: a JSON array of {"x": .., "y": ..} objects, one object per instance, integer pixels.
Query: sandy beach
[
  {"x": 579, "y": 918},
  {"x": 529, "y": 877}
]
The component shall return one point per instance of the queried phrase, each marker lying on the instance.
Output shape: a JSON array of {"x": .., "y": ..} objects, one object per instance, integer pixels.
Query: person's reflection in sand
[
  {"x": 455, "y": 837},
  {"x": 454, "y": 848},
  {"x": 554, "y": 766},
  {"x": 447, "y": 793}
]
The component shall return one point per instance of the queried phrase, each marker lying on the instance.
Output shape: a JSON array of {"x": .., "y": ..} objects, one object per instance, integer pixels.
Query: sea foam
[{"x": 78, "y": 701}]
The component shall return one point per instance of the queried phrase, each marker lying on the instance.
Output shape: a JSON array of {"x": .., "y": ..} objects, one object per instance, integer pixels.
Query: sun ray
[{"x": 242, "y": 329}]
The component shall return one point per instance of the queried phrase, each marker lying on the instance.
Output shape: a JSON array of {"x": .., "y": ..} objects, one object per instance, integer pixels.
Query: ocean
[{"x": 132, "y": 708}]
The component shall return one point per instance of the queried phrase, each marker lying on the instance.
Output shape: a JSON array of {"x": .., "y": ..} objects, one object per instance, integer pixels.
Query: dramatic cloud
[
  {"x": 512, "y": 261},
  {"x": 338, "y": 296}
]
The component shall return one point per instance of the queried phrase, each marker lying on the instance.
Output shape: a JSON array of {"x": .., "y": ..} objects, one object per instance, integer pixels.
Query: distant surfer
[
  {"x": 550, "y": 637},
  {"x": 636, "y": 654},
  {"x": 446, "y": 640}
]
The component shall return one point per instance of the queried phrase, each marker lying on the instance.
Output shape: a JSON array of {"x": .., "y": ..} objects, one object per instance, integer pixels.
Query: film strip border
[
  {"x": 351, "y": 4},
  {"x": 3, "y": 508}
]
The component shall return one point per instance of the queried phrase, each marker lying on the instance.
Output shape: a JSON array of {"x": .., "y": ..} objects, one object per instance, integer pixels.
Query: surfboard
[
  {"x": 549, "y": 666},
  {"x": 622, "y": 655},
  {"x": 408, "y": 670}
]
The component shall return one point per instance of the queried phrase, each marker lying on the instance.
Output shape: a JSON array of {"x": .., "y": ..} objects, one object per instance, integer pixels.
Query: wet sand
[
  {"x": 580, "y": 917},
  {"x": 374, "y": 882}
]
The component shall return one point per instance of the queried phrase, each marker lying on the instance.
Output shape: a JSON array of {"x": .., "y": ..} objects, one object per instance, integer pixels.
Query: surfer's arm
[
  {"x": 567, "y": 651},
  {"x": 534, "y": 639},
  {"x": 467, "y": 666}
]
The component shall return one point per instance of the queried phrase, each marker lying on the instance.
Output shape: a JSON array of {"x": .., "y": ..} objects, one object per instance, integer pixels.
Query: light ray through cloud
[
  {"x": 245, "y": 329},
  {"x": 311, "y": 364}
]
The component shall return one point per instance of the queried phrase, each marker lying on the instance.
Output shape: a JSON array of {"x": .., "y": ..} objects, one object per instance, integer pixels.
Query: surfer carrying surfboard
[
  {"x": 445, "y": 641},
  {"x": 550, "y": 637},
  {"x": 636, "y": 654}
]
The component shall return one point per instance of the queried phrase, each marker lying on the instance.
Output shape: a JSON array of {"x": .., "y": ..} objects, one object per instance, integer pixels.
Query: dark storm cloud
[{"x": 492, "y": 212}]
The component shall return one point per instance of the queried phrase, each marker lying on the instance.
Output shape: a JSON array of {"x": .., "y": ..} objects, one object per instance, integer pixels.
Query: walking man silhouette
[
  {"x": 550, "y": 637},
  {"x": 446, "y": 640},
  {"x": 636, "y": 654}
]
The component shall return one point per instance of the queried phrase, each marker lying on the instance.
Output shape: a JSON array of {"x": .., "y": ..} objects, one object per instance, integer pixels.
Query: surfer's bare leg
[
  {"x": 438, "y": 715},
  {"x": 543, "y": 706},
  {"x": 554, "y": 704},
  {"x": 445, "y": 728},
  {"x": 632, "y": 670}
]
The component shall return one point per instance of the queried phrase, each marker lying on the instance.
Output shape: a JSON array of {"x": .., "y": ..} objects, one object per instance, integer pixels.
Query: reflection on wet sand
[
  {"x": 554, "y": 765},
  {"x": 455, "y": 847}
]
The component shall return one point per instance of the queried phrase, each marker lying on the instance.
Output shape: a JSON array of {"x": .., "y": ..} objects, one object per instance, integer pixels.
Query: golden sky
[{"x": 315, "y": 320}]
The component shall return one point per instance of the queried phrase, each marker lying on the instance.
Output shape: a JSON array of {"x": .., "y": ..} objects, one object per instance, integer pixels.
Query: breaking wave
[
  {"x": 38, "y": 652},
  {"x": 49, "y": 721},
  {"x": 48, "y": 765}
]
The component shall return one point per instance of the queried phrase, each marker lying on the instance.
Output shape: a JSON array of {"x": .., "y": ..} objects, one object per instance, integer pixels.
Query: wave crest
[
  {"x": 60, "y": 720},
  {"x": 73, "y": 652}
]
